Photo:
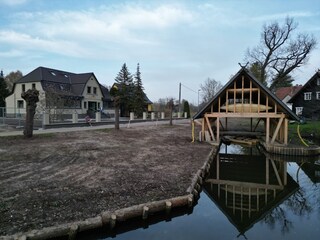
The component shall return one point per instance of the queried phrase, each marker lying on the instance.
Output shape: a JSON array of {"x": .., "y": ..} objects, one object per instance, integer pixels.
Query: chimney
[{"x": 1, "y": 74}]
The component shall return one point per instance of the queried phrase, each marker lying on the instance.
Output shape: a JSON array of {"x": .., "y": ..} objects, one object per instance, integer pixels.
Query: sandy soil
[{"x": 64, "y": 177}]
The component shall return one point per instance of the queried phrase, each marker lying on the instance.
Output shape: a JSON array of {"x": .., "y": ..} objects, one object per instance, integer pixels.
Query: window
[
  {"x": 20, "y": 103},
  {"x": 307, "y": 96},
  {"x": 318, "y": 81},
  {"x": 33, "y": 86},
  {"x": 94, "y": 90},
  {"x": 98, "y": 106},
  {"x": 89, "y": 90},
  {"x": 85, "y": 105},
  {"x": 23, "y": 87},
  {"x": 299, "y": 110},
  {"x": 318, "y": 95}
]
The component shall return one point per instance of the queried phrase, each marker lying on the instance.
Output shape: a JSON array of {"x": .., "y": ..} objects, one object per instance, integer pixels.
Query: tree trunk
[
  {"x": 116, "y": 113},
  {"x": 31, "y": 97}
]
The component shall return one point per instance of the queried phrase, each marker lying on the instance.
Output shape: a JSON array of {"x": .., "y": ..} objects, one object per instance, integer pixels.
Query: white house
[{"x": 57, "y": 90}]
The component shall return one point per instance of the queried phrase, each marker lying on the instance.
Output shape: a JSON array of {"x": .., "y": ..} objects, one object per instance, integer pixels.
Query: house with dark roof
[
  {"x": 58, "y": 90},
  {"x": 245, "y": 100},
  {"x": 306, "y": 102},
  {"x": 286, "y": 93}
]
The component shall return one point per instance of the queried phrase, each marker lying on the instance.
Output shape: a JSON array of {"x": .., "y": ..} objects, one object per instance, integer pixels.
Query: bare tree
[
  {"x": 31, "y": 97},
  {"x": 280, "y": 51},
  {"x": 12, "y": 77},
  {"x": 209, "y": 88}
]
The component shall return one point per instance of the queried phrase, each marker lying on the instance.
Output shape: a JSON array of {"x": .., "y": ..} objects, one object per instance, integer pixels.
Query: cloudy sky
[{"x": 174, "y": 41}]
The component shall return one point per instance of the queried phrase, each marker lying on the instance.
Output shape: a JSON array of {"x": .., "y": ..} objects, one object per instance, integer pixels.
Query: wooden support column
[
  {"x": 258, "y": 100},
  {"x": 202, "y": 129},
  {"x": 267, "y": 171},
  {"x": 285, "y": 131},
  {"x": 250, "y": 98},
  {"x": 209, "y": 127},
  {"x": 267, "y": 130},
  {"x": 277, "y": 129},
  {"x": 218, "y": 130},
  {"x": 234, "y": 96}
]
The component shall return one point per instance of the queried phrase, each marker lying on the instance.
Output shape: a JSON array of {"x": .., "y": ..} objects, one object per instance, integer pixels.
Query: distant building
[
  {"x": 306, "y": 102},
  {"x": 81, "y": 92},
  {"x": 286, "y": 93}
]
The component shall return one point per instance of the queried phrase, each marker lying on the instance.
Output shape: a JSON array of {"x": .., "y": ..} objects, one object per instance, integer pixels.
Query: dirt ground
[{"x": 63, "y": 177}]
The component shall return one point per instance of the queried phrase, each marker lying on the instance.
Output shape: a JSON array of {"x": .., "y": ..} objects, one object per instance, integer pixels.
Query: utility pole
[{"x": 179, "y": 96}]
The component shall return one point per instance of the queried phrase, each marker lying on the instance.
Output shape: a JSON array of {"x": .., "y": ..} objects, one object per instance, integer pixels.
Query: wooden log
[
  {"x": 168, "y": 207},
  {"x": 105, "y": 217},
  {"x": 90, "y": 223},
  {"x": 113, "y": 220},
  {"x": 73, "y": 232},
  {"x": 145, "y": 212},
  {"x": 190, "y": 201},
  {"x": 49, "y": 232},
  {"x": 200, "y": 180}
]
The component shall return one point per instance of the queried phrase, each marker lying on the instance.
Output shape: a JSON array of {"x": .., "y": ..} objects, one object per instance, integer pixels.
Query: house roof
[
  {"x": 105, "y": 92},
  {"x": 248, "y": 74},
  {"x": 308, "y": 83},
  {"x": 66, "y": 83},
  {"x": 282, "y": 92}
]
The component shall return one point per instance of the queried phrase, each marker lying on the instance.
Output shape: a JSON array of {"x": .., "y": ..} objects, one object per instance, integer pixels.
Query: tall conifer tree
[
  {"x": 139, "y": 101},
  {"x": 124, "y": 81}
]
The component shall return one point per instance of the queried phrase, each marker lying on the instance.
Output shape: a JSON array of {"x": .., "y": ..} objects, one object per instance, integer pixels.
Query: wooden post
[
  {"x": 227, "y": 100},
  {"x": 113, "y": 220},
  {"x": 168, "y": 207},
  {"x": 250, "y": 98},
  {"x": 202, "y": 129},
  {"x": 190, "y": 202},
  {"x": 258, "y": 100},
  {"x": 267, "y": 129},
  {"x": 275, "y": 133},
  {"x": 218, "y": 130},
  {"x": 145, "y": 212},
  {"x": 285, "y": 131},
  {"x": 234, "y": 96}
]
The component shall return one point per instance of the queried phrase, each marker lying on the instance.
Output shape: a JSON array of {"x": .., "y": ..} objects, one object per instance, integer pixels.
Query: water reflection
[
  {"x": 248, "y": 194},
  {"x": 249, "y": 186}
]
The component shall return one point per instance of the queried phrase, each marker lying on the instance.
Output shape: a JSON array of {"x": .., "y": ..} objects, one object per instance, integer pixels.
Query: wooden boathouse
[{"x": 245, "y": 107}]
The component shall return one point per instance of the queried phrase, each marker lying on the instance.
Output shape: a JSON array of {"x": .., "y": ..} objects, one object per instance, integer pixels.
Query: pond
[{"x": 247, "y": 195}]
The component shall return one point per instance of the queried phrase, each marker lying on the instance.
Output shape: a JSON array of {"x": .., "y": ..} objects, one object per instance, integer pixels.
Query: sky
[{"x": 174, "y": 41}]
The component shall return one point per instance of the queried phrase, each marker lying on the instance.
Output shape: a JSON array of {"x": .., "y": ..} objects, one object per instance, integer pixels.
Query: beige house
[{"x": 58, "y": 91}]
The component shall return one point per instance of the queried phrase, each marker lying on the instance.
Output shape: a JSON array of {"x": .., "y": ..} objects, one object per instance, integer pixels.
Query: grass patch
[{"x": 309, "y": 130}]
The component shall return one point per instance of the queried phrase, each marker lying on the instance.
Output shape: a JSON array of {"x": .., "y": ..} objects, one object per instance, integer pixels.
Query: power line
[{"x": 189, "y": 88}]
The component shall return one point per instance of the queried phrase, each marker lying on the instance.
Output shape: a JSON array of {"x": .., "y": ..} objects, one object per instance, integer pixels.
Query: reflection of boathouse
[
  {"x": 244, "y": 98},
  {"x": 246, "y": 187}
]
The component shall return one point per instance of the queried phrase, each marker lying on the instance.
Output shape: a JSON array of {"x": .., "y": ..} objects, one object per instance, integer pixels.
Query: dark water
[{"x": 248, "y": 195}]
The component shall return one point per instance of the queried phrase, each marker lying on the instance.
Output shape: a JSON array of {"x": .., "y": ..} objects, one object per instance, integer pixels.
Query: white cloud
[{"x": 96, "y": 33}]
